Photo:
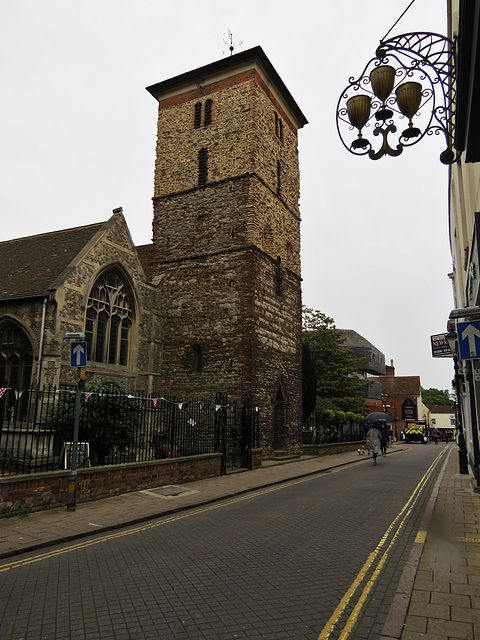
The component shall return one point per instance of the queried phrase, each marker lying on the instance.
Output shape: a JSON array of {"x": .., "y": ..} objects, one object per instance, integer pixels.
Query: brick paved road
[{"x": 271, "y": 564}]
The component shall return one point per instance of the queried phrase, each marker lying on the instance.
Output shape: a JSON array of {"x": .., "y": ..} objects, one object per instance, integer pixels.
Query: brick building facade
[{"x": 214, "y": 303}]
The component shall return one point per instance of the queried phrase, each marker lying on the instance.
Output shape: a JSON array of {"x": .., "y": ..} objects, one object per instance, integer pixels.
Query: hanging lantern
[{"x": 358, "y": 110}]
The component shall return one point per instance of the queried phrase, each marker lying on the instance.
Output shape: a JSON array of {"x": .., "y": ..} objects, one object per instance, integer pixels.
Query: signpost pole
[
  {"x": 77, "y": 359},
  {"x": 72, "y": 478}
]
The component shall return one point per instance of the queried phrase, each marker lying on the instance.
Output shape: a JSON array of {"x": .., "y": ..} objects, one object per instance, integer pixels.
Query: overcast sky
[{"x": 78, "y": 131}]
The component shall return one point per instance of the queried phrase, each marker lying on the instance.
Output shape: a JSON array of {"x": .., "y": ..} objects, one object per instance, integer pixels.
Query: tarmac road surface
[{"x": 306, "y": 559}]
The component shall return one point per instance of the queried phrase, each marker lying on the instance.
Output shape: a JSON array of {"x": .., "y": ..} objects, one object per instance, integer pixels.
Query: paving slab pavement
[{"x": 445, "y": 598}]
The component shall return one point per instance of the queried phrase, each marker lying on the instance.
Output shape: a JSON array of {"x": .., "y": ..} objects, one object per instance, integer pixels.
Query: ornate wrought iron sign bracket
[{"x": 411, "y": 77}]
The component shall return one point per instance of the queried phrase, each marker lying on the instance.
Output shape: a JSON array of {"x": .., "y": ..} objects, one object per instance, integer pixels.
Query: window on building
[
  {"x": 208, "y": 113},
  {"x": 16, "y": 356},
  {"x": 202, "y": 167},
  {"x": 109, "y": 320},
  {"x": 16, "y": 360},
  {"x": 197, "y": 357},
  {"x": 278, "y": 277},
  {"x": 198, "y": 115},
  {"x": 279, "y": 177},
  {"x": 278, "y": 127}
]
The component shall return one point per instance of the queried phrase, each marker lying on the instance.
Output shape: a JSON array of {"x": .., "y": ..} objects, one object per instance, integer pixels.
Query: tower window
[
  {"x": 202, "y": 167},
  {"x": 279, "y": 177},
  {"x": 208, "y": 113},
  {"x": 198, "y": 115},
  {"x": 197, "y": 357},
  {"x": 278, "y": 127},
  {"x": 109, "y": 320},
  {"x": 207, "y": 116},
  {"x": 278, "y": 277}
]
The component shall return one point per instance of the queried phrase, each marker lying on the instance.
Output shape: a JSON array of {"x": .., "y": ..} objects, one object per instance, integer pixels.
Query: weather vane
[{"x": 231, "y": 44}]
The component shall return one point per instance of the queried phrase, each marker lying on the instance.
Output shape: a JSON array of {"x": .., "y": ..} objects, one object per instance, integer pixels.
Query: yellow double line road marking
[{"x": 391, "y": 534}]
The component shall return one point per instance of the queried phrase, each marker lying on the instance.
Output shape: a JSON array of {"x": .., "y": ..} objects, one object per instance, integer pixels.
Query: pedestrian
[
  {"x": 366, "y": 429},
  {"x": 383, "y": 439},
  {"x": 373, "y": 439}
]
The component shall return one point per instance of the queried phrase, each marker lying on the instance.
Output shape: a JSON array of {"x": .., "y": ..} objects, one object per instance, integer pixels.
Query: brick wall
[
  {"x": 37, "y": 492},
  {"x": 331, "y": 449}
]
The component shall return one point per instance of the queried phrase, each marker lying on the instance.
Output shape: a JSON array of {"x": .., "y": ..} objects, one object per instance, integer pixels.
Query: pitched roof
[
  {"x": 30, "y": 266},
  {"x": 437, "y": 408},
  {"x": 400, "y": 385},
  {"x": 145, "y": 252}
]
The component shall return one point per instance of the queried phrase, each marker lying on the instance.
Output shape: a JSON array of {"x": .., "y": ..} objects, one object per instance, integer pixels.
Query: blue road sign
[
  {"x": 78, "y": 354},
  {"x": 469, "y": 339}
]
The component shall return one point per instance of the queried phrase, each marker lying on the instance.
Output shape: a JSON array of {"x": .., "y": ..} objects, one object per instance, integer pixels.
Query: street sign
[
  {"x": 469, "y": 339},
  {"x": 78, "y": 354},
  {"x": 440, "y": 346}
]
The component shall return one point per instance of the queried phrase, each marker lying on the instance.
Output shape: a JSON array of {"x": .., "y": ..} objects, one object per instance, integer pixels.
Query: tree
[
  {"x": 109, "y": 419},
  {"x": 335, "y": 368},
  {"x": 309, "y": 382},
  {"x": 436, "y": 396}
]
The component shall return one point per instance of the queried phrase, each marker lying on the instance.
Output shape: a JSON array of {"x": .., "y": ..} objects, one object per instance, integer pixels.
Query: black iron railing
[
  {"x": 36, "y": 429},
  {"x": 316, "y": 432}
]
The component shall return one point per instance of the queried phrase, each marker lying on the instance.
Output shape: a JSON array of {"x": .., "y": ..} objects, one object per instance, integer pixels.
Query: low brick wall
[
  {"x": 39, "y": 491},
  {"x": 330, "y": 449}
]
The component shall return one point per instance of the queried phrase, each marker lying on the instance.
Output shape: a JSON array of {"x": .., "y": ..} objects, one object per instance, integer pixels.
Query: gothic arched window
[
  {"x": 109, "y": 320},
  {"x": 16, "y": 356}
]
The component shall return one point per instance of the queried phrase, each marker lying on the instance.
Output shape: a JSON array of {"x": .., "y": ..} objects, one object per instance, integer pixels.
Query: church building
[{"x": 214, "y": 302}]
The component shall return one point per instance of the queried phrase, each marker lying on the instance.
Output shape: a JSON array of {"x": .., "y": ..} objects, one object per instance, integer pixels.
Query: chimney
[{"x": 390, "y": 370}]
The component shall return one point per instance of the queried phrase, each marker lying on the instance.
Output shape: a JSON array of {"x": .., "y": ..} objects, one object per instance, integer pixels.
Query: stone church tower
[{"x": 226, "y": 239}]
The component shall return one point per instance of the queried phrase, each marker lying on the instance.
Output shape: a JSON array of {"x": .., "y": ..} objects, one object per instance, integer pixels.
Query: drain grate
[{"x": 169, "y": 491}]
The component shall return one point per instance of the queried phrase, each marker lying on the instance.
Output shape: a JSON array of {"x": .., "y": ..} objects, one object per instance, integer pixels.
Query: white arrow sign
[
  {"x": 471, "y": 332},
  {"x": 78, "y": 351}
]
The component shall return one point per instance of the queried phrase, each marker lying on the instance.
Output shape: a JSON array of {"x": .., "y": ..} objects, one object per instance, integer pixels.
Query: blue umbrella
[{"x": 379, "y": 416}]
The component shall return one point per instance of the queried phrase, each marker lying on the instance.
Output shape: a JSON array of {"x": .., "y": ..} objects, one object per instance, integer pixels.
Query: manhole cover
[{"x": 170, "y": 491}]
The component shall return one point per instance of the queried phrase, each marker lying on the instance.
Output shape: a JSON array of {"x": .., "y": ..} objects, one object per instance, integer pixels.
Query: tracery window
[
  {"x": 16, "y": 356},
  {"x": 109, "y": 320},
  {"x": 16, "y": 359}
]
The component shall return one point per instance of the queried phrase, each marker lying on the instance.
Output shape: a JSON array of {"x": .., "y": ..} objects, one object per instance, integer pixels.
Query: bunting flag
[
  {"x": 181, "y": 404},
  {"x": 154, "y": 400},
  {"x": 2, "y": 391},
  {"x": 87, "y": 395}
]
